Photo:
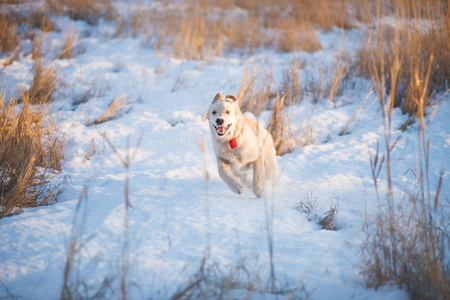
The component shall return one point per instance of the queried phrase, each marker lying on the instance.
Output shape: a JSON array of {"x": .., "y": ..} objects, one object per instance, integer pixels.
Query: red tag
[{"x": 233, "y": 143}]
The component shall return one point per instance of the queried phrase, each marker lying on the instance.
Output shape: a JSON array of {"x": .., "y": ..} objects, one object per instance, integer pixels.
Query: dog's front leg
[
  {"x": 227, "y": 176},
  {"x": 258, "y": 177}
]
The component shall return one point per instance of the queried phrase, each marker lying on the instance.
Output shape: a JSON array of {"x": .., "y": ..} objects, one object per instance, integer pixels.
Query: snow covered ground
[{"x": 181, "y": 211}]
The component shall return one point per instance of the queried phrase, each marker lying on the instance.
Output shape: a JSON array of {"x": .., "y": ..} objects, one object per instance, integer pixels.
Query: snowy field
[{"x": 181, "y": 211}]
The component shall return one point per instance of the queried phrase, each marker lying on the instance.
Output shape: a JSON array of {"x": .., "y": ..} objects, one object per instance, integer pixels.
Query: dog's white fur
[{"x": 254, "y": 151}]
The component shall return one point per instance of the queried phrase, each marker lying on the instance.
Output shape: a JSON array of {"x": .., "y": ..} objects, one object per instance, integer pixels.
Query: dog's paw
[
  {"x": 259, "y": 194},
  {"x": 258, "y": 191},
  {"x": 236, "y": 187}
]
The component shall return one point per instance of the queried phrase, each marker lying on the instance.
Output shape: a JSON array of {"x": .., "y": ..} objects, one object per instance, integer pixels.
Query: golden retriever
[{"x": 242, "y": 145}]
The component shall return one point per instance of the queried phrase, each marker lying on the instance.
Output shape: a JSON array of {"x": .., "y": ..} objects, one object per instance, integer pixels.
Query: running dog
[{"x": 241, "y": 145}]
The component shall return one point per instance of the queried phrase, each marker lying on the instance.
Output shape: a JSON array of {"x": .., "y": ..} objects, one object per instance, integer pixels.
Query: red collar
[{"x": 232, "y": 141}]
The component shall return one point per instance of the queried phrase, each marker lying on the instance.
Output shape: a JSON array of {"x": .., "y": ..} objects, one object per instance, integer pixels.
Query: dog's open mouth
[{"x": 221, "y": 130}]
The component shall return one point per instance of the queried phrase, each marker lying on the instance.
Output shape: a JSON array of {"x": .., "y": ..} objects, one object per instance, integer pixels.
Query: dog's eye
[
  {"x": 228, "y": 112},
  {"x": 214, "y": 112}
]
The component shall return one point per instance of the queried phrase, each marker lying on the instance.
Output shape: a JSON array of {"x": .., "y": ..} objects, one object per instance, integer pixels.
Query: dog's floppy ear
[
  {"x": 218, "y": 97},
  {"x": 232, "y": 98}
]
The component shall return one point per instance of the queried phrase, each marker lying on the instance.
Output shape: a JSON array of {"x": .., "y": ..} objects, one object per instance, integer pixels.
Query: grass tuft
[
  {"x": 115, "y": 110},
  {"x": 30, "y": 154},
  {"x": 307, "y": 205},
  {"x": 44, "y": 84},
  {"x": 328, "y": 219}
]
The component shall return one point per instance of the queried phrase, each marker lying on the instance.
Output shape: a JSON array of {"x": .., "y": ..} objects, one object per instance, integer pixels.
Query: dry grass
[
  {"x": 41, "y": 18},
  {"x": 120, "y": 27},
  {"x": 86, "y": 10},
  {"x": 328, "y": 219},
  {"x": 340, "y": 75},
  {"x": 134, "y": 24},
  {"x": 189, "y": 34},
  {"x": 13, "y": 56},
  {"x": 115, "y": 110},
  {"x": 30, "y": 153},
  {"x": 44, "y": 84},
  {"x": 256, "y": 89},
  {"x": 86, "y": 96},
  {"x": 74, "y": 285},
  {"x": 291, "y": 86},
  {"x": 205, "y": 29},
  {"x": 8, "y": 34},
  {"x": 408, "y": 243},
  {"x": 45, "y": 77},
  {"x": 259, "y": 92},
  {"x": 70, "y": 47},
  {"x": 211, "y": 282},
  {"x": 328, "y": 84},
  {"x": 289, "y": 133},
  {"x": 17, "y": 26},
  {"x": 409, "y": 49},
  {"x": 309, "y": 42},
  {"x": 409, "y": 249},
  {"x": 307, "y": 206},
  {"x": 239, "y": 281}
]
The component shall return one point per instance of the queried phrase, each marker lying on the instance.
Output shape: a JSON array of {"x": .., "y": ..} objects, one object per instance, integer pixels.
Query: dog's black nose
[{"x": 219, "y": 121}]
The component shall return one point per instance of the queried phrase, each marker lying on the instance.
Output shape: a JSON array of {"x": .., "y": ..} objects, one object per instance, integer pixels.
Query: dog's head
[{"x": 223, "y": 115}]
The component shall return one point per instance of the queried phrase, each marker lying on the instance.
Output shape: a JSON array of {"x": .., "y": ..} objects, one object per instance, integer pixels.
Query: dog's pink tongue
[{"x": 220, "y": 129}]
